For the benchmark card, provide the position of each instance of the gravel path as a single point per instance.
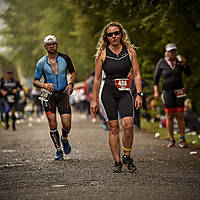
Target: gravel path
(28, 171)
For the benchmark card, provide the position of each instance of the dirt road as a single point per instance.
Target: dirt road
(28, 171)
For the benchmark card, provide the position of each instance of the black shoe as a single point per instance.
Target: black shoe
(6, 126)
(117, 167)
(14, 127)
(128, 161)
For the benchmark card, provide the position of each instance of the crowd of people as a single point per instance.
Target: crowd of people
(113, 93)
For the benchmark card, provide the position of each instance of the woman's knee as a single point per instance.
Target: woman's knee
(170, 116)
(127, 125)
(180, 116)
(113, 128)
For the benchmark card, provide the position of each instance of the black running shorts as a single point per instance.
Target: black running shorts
(60, 100)
(112, 100)
(172, 103)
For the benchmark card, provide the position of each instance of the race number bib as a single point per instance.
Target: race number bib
(180, 92)
(45, 95)
(11, 98)
(123, 84)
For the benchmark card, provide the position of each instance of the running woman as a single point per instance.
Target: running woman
(171, 68)
(115, 58)
(54, 67)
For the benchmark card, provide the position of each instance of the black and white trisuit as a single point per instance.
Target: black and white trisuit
(112, 99)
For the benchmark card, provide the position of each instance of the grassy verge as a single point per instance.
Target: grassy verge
(192, 140)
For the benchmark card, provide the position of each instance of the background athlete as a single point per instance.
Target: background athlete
(170, 68)
(9, 89)
(116, 57)
(54, 67)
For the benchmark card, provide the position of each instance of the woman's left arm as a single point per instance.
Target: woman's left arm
(137, 77)
(186, 69)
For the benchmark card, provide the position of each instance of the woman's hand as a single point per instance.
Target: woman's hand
(138, 102)
(156, 92)
(93, 108)
(156, 95)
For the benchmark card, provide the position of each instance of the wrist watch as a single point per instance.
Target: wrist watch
(140, 94)
(72, 84)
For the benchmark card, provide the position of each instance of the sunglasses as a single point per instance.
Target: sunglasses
(115, 33)
(50, 44)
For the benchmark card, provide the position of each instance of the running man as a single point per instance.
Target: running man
(10, 90)
(54, 67)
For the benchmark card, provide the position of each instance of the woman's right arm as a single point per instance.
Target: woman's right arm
(97, 81)
(156, 80)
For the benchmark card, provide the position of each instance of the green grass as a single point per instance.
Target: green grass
(154, 127)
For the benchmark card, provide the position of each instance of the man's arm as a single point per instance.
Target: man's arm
(38, 84)
(70, 86)
(38, 74)
(72, 78)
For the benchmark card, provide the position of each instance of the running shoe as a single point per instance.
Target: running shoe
(59, 155)
(171, 143)
(128, 161)
(117, 167)
(182, 143)
(66, 146)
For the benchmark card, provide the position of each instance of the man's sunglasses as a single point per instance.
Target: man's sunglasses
(50, 44)
(115, 33)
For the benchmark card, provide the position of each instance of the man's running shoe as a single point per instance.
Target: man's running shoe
(66, 146)
(59, 155)
(171, 143)
(117, 167)
(182, 143)
(128, 161)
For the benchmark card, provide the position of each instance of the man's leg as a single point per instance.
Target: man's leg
(13, 117)
(53, 129)
(7, 110)
(2, 110)
(66, 126)
(55, 135)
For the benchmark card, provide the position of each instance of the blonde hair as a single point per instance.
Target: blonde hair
(103, 40)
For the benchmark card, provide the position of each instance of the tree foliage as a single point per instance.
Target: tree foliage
(78, 24)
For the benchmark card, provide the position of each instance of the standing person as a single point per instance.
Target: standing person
(10, 90)
(54, 67)
(116, 57)
(2, 103)
(36, 103)
(170, 68)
